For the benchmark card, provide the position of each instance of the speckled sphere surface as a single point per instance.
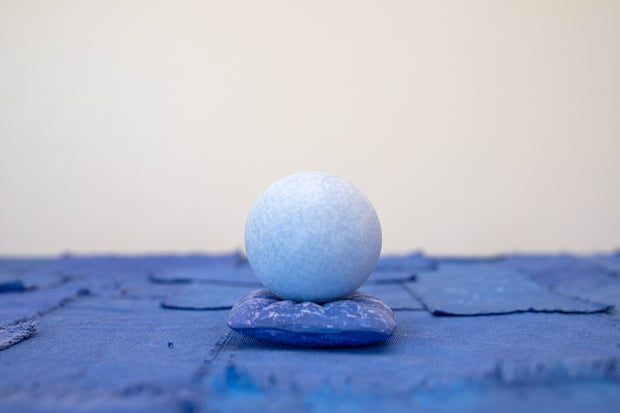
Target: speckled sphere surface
(312, 236)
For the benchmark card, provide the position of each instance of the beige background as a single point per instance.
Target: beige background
(473, 126)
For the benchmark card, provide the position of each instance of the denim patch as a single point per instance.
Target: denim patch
(480, 289)
(11, 335)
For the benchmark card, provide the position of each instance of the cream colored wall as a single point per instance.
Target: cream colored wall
(473, 126)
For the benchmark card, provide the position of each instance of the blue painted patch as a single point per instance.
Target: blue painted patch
(359, 319)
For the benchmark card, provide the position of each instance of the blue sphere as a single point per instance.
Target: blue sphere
(312, 236)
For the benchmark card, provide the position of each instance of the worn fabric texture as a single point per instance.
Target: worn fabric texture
(476, 289)
(513, 333)
(10, 335)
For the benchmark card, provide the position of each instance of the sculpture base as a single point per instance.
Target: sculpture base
(357, 320)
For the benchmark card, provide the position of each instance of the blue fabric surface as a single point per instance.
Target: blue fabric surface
(410, 263)
(209, 275)
(201, 297)
(356, 320)
(243, 275)
(426, 354)
(395, 295)
(117, 349)
(556, 271)
(478, 289)
(431, 351)
(609, 263)
(24, 305)
(587, 277)
(30, 274)
(10, 335)
(117, 346)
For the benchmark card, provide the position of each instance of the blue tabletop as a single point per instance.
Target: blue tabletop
(148, 333)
